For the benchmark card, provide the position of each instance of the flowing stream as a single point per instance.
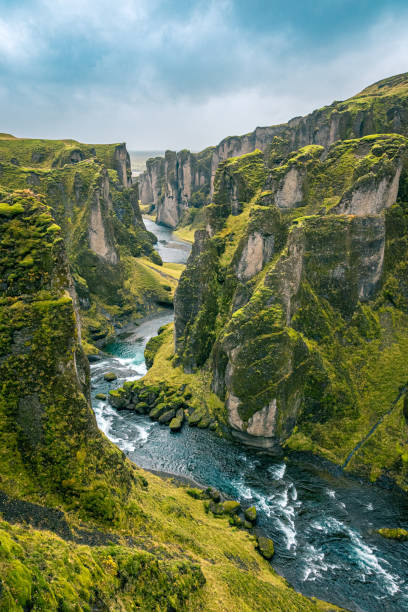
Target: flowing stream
(323, 523)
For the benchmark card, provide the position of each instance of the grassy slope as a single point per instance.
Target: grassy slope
(40, 569)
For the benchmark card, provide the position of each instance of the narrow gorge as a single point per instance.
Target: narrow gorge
(204, 369)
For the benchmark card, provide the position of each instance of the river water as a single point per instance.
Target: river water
(323, 523)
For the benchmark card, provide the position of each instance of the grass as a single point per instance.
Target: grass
(40, 570)
(186, 233)
(147, 281)
(198, 384)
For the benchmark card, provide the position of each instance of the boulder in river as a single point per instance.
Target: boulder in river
(167, 416)
(110, 376)
(177, 421)
(100, 396)
(158, 410)
(394, 534)
(231, 507)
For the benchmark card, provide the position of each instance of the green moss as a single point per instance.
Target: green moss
(98, 513)
(73, 177)
(231, 507)
(330, 354)
(110, 376)
(51, 574)
(152, 347)
(265, 547)
(250, 514)
(10, 210)
(393, 534)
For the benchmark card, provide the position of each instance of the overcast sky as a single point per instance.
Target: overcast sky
(185, 73)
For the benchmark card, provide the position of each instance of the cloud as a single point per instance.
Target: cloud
(160, 73)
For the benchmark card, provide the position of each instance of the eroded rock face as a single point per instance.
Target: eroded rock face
(97, 208)
(290, 193)
(46, 382)
(190, 179)
(122, 165)
(269, 301)
(372, 197)
(99, 239)
(258, 250)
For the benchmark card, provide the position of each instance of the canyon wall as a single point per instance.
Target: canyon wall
(184, 179)
(82, 528)
(294, 297)
(94, 202)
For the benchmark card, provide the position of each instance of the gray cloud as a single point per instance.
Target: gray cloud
(163, 74)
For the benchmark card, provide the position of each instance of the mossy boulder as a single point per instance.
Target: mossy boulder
(204, 422)
(214, 494)
(141, 407)
(110, 376)
(100, 396)
(265, 547)
(195, 418)
(216, 508)
(250, 514)
(177, 422)
(167, 416)
(231, 507)
(158, 410)
(118, 398)
(394, 533)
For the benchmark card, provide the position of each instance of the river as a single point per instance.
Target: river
(323, 523)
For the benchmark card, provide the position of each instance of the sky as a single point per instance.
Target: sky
(173, 74)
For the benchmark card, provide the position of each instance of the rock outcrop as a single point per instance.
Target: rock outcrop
(184, 179)
(44, 372)
(89, 189)
(294, 297)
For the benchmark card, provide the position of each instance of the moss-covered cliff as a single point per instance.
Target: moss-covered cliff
(81, 527)
(293, 303)
(186, 180)
(110, 253)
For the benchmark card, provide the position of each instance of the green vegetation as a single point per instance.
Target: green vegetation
(266, 548)
(303, 306)
(293, 306)
(82, 527)
(394, 534)
(111, 255)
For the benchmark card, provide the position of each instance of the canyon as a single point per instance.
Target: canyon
(288, 345)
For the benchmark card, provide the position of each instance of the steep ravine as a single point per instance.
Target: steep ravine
(322, 522)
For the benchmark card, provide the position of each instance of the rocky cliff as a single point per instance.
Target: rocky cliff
(89, 189)
(295, 298)
(81, 527)
(182, 180)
